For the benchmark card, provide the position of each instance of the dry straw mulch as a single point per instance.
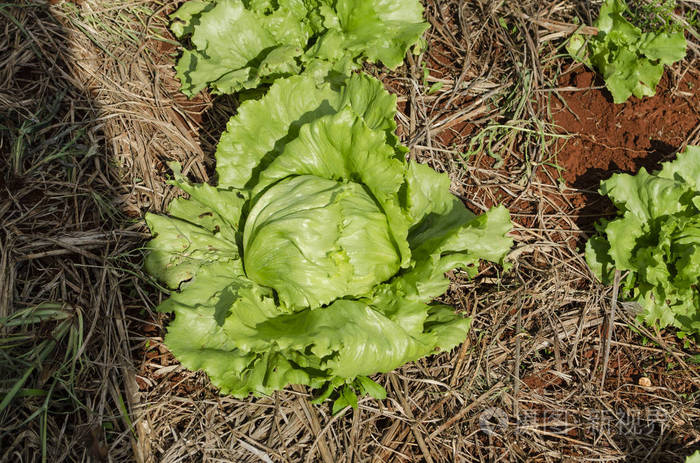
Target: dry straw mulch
(89, 114)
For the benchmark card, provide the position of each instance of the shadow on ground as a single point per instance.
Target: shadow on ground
(63, 239)
(596, 206)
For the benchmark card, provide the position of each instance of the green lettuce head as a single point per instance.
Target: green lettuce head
(316, 257)
(656, 238)
(238, 45)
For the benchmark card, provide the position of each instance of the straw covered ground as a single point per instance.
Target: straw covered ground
(89, 114)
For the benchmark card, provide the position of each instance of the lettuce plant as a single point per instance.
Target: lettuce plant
(656, 240)
(630, 60)
(316, 257)
(241, 44)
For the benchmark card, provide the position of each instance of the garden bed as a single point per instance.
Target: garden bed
(491, 101)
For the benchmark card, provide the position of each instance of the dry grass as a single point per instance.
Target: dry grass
(90, 113)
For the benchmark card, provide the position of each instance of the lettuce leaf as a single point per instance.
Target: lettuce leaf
(657, 239)
(239, 45)
(317, 257)
(631, 61)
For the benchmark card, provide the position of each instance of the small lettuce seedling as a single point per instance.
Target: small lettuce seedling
(630, 60)
(656, 240)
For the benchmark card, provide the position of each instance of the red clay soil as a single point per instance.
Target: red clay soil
(609, 138)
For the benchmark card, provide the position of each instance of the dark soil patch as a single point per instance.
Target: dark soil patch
(609, 138)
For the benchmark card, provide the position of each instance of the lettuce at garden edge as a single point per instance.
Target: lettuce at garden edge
(630, 60)
(657, 239)
(240, 44)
